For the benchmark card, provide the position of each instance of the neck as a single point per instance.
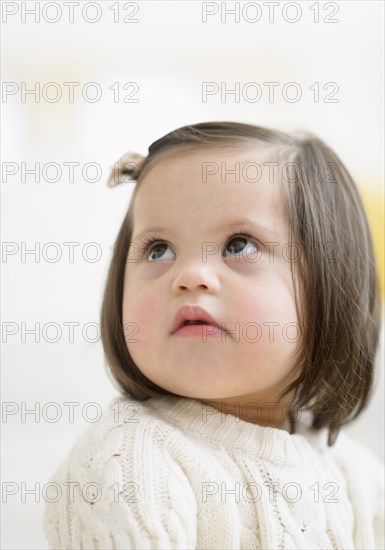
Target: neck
(271, 413)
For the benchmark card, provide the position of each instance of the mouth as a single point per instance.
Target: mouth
(192, 319)
(199, 328)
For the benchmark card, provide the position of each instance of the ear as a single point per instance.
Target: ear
(126, 169)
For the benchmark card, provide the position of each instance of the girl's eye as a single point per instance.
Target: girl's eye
(237, 244)
(155, 248)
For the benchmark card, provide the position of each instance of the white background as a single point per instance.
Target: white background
(169, 53)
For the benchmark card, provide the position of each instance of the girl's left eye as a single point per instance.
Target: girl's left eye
(242, 238)
(158, 246)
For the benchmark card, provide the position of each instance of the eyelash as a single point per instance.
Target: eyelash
(153, 239)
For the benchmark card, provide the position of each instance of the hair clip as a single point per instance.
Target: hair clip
(126, 169)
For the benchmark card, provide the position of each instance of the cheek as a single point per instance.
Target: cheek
(270, 303)
(141, 311)
(271, 312)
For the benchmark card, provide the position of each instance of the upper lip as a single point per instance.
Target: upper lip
(192, 313)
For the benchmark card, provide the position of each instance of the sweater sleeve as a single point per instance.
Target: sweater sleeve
(121, 489)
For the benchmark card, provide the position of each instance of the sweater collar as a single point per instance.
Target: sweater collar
(277, 445)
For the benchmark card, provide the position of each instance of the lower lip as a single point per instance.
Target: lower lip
(200, 330)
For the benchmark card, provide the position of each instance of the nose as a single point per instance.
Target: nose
(196, 276)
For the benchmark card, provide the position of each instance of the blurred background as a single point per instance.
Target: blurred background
(82, 83)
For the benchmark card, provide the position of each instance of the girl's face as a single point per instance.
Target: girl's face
(200, 258)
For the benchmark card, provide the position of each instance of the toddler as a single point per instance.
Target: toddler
(238, 365)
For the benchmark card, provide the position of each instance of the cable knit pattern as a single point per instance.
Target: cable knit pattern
(171, 473)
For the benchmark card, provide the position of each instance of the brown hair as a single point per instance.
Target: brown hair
(339, 282)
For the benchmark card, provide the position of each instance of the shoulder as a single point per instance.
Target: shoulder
(122, 420)
(130, 437)
(125, 486)
(349, 451)
(364, 474)
(363, 471)
(349, 460)
(346, 451)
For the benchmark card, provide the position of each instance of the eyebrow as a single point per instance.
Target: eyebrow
(233, 225)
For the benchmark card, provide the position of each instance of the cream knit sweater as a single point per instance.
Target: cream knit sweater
(174, 473)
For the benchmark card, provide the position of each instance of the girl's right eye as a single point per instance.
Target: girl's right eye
(157, 246)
